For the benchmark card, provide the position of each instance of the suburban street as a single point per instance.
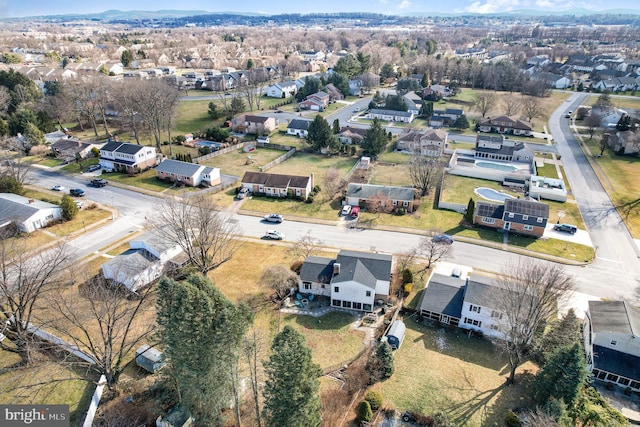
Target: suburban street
(614, 274)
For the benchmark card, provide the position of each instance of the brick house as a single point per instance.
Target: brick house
(526, 217)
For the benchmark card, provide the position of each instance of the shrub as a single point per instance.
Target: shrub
(401, 211)
(309, 199)
(296, 266)
(512, 419)
(364, 411)
(441, 419)
(374, 398)
(316, 189)
(69, 207)
(407, 276)
(407, 288)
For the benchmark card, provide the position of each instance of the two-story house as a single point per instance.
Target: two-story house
(520, 216)
(298, 127)
(282, 89)
(126, 157)
(428, 143)
(317, 101)
(252, 124)
(611, 336)
(499, 148)
(353, 280)
(505, 124)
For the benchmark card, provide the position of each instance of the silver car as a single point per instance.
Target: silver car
(277, 218)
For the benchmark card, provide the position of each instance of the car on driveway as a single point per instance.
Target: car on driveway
(274, 235)
(57, 188)
(566, 228)
(79, 204)
(442, 238)
(93, 168)
(77, 192)
(274, 218)
(244, 192)
(346, 210)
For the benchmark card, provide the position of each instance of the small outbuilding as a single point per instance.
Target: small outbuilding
(149, 358)
(396, 333)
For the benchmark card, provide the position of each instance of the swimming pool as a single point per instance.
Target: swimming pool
(497, 166)
(493, 195)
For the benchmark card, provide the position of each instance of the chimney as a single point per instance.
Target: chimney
(312, 179)
(336, 268)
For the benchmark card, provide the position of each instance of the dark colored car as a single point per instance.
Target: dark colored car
(93, 168)
(99, 182)
(442, 238)
(567, 228)
(77, 192)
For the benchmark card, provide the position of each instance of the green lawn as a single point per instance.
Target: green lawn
(442, 370)
(146, 180)
(458, 189)
(548, 170)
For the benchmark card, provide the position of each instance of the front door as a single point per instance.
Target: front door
(444, 319)
(507, 226)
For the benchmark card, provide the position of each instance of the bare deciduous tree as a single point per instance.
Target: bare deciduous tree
(126, 95)
(593, 121)
(484, 102)
(254, 350)
(530, 290)
(157, 103)
(426, 172)
(333, 182)
(5, 99)
(26, 277)
(532, 108)
(511, 104)
(104, 323)
(306, 246)
(204, 234)
(279, 279)
(433, 250)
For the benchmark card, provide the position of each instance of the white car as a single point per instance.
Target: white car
(346, 210)
(274, 218)
(57, 188)
(274, 235)
(79, 204)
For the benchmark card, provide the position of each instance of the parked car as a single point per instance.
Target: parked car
(274, 218)
(346, 210)
(79, 204)
(244, 192)
(567, 116)
(274, 235)
(355, 211)
(442, 238)
(57, 188)
(77, 192)
(567, 228)
(357, 109)
(93, 168)
(99, 182)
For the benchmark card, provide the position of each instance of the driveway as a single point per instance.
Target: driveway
(581, 236)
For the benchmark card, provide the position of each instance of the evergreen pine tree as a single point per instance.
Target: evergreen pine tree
(68, 207)
(291, 389)
(375, 140)
(562, 376)
(471, 206)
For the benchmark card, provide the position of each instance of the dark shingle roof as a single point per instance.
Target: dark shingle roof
(317, 269)
(363, 267)
(483, 292)
(275, 180)
(527, 207)
(111, 146)
(367, 191)
(443, 294)
(177, 167)
(614, 316)
(489, 210)
(299, 124)
(619, 363)
(128, 148)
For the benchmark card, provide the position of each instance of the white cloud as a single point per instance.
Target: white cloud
(547, 4)
(404, 4)
(383, 1)
(493, 6)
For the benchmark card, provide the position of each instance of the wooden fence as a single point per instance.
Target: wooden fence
(279, 160)
(219, 152)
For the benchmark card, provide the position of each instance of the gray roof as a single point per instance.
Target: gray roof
(122, 147)
(367, 191)
(299, 124)
(156, 240)
(390, 112)
(443, 294)
(129, 264)
(483, 292)
(363, 267)
(177, 167)
(317, 269)
(614, 316)
(275, 180)
(14, 207)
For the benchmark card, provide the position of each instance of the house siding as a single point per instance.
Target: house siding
(352, 292)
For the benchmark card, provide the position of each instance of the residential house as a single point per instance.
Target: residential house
(313, 55)
(282, 89)
(391, 115)
(276, 185)
(334, 93)
(446, 117)
(71, 149)
(298, 127)
(611, 336)
(54, 136)
(413, 102)
(500, 148)
(626, 142)
(27, 214)
(505, 125)
(355, 87)
(437, 91)
(380, 196)
(427, 143)
(442, 299)
(126, 157)
(617, 84)
(252, 124)
(186, 173)
(353, 280)
(317, 101)
(552, 80)
(148, 258)
(351, 135)
(526, 217)
(539, 61)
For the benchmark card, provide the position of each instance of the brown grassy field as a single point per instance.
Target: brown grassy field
(238, 162)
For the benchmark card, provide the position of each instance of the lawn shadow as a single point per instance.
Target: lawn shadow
(517, 397)
(455, 342)
(331, 321)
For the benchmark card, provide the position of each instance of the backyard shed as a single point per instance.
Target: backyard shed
(395, 336)
(149, 358)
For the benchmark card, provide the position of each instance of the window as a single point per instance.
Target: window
(614, 342)
(395, 203)
(366, 307)
(511, 215)
(494, 327)
(472, 322)
(306, 286)
(336, 303)
(488, 220)
(528, 227)
(368, 293)
(357, 306)
(346, 304)
(336, 289)
(539, 220)
(525, 217)
(496, 314)
(474, 308)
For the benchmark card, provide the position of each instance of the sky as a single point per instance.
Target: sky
(22, 8)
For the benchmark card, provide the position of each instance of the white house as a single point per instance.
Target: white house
(27, 214)
(354, 280)
(391, 115)
(282, 89)
(145, 261)
(187, 173)
(298, 127)
(126, 157)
